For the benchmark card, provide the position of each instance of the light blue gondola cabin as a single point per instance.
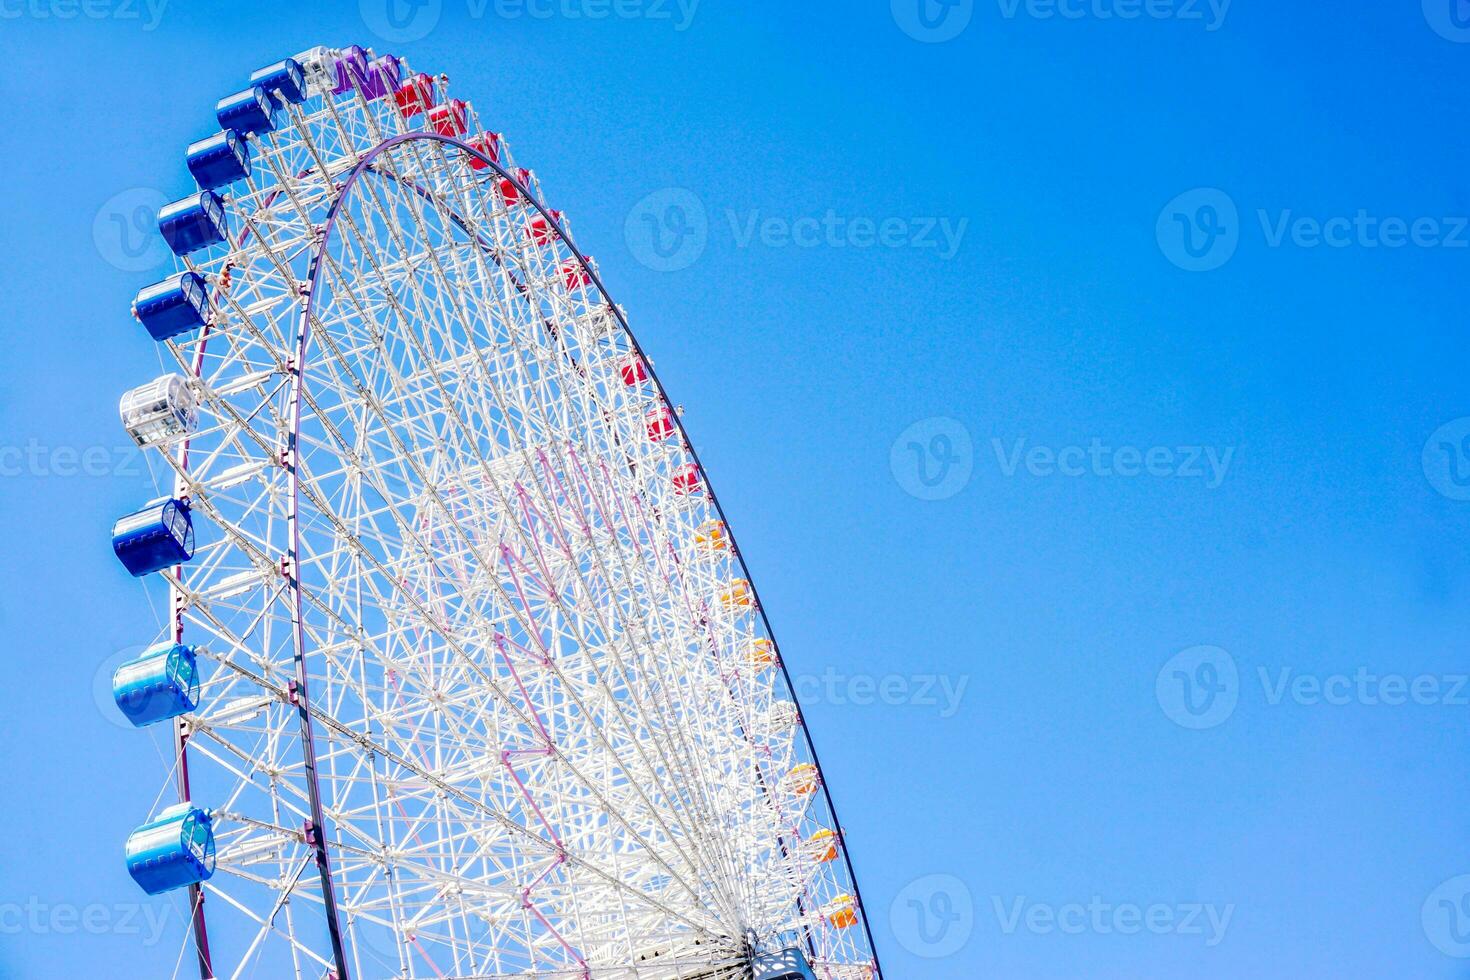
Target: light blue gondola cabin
(159, 684)
(173, 850)
(175, 306)
(789, 964)
(154, 538)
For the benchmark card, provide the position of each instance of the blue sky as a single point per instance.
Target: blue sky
(1085, 379)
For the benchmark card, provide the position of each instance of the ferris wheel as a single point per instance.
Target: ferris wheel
(463, 671)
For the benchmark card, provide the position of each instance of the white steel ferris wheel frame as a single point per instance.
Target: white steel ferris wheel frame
(491, 693)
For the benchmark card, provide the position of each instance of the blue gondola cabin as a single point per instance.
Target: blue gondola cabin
(789, 964)
(157, 537)
(175, 306)
(173, 850)
(161, 683)
(284, 81)
(247, 111)
(219, 160)
(195, 222)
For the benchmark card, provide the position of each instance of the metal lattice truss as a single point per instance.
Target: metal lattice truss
(544, 727)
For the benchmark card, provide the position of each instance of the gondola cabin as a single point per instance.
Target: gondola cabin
(712, 536)
(783, 715)
(219, 160)
(788, 964)
(161, 683)
(632, 370)
(415, 95)
(192, 223)
(542, 231)
(487, 144)
(803, 780)
(247, 111)
(173, 850)
(284, 81)
(760, 654)
(450, 119)
(172, 307)
(822, 846)
(842, 912)
(160, 412)
(575, 275)
(737, 595)
(687, 481)
(660, 423)
(157, 537)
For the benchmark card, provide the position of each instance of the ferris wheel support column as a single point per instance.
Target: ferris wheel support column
(316, 831)
(196, 892)
(181, 756)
